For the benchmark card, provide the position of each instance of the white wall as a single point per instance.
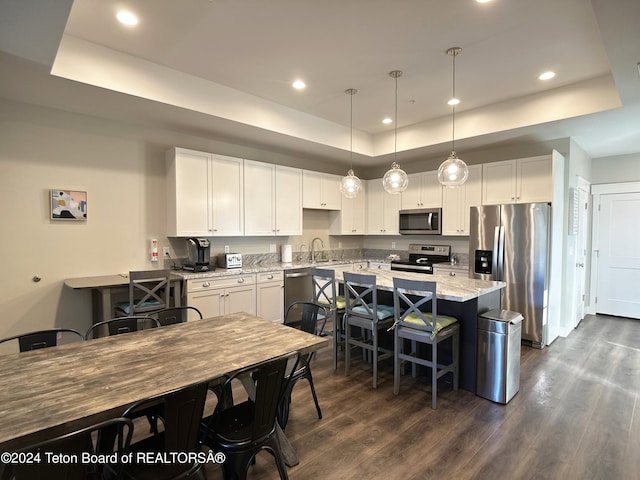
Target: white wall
(40, 150)
(624, 168)
(122, 169)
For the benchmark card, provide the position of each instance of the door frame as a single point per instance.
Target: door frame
(596, 192)
(584, 218)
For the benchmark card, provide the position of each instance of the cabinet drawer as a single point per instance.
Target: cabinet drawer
(220, 282)
(276, 276)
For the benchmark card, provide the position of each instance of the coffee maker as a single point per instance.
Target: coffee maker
(199, 256)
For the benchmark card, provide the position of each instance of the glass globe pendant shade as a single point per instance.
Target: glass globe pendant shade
(453, 172)
(350, 185)
(395, 180)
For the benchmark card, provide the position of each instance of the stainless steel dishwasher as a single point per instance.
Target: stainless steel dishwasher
(298, 287)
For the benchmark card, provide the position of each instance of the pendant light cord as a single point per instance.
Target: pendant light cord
(351, 128)
(395, 123)
(351, 92)
(453, 108)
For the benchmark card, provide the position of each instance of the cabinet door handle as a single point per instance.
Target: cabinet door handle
(241, 280)
(206, 284)
(270, 277)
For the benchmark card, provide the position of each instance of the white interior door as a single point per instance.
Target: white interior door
(618, 248)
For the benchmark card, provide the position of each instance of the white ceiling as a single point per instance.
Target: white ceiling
(224, 68)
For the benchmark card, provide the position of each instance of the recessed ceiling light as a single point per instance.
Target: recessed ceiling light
(483, 1)
(127, 18)
(298, 85)
(453, 101)
(387, 121)
(547, 75)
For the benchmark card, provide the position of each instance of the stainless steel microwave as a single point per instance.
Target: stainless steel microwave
(421, 221)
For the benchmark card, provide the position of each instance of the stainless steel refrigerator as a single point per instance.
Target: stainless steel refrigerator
(511, 243)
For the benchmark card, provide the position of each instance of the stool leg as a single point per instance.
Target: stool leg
(397, 342)
(434, 374)
(347, 347)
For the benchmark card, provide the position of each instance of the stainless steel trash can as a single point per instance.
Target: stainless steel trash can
(498, 362)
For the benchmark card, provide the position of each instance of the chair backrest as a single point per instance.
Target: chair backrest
(408, 297)
(310, 320)
(324, 286)
(360, 291)
(44, 338)
(267, 384)
(173, 315)
(110, 436)
(148, 291)
(119, 325)
(181, 414)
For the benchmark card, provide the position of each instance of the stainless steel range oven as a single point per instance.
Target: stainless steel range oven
(422, 257)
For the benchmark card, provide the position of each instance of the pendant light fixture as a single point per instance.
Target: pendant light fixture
(395, 180)
(453, 172)
(351, 185)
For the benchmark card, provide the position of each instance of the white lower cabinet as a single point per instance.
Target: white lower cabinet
(270, 296)
(221, 295)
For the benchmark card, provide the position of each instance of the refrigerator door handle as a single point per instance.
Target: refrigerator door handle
(496, 253)
(501, 254)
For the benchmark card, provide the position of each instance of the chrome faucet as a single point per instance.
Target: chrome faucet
(313, 248)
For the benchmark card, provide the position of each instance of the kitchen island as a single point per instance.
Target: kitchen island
(460, 297)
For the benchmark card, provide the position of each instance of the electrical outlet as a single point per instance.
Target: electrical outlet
(272, 248)
(393, 244)
(226, 249)
(166, 252)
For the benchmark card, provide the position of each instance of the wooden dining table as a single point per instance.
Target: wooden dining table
(52, 391)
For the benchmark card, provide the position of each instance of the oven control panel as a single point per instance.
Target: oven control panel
(434, 250)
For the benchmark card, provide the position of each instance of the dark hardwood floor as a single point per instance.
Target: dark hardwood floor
(576, 416)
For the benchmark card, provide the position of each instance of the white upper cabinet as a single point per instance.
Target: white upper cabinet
(382, 209)
(272, 199)
(457, 201)
(204, 194)
(321, 190)
(351, 219)
(523, 180)
(424, 191)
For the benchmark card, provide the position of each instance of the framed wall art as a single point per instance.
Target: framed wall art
(68, 204)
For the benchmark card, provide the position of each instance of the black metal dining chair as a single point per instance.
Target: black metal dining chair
(173, 315)
(108, 437)
(313, 318)
(242, 430)
(43, 338)
(181, 414)
(120, 325)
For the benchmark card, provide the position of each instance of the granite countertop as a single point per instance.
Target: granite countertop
(456, 289)
(222, 272)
